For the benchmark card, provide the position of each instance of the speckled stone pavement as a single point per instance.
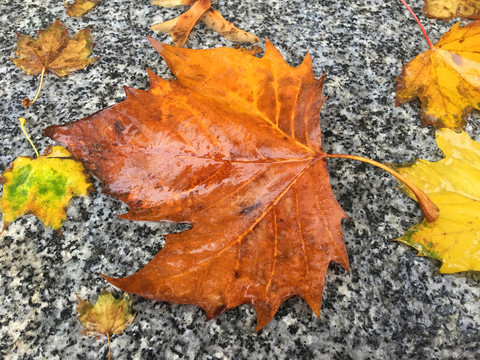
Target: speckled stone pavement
(391, 306)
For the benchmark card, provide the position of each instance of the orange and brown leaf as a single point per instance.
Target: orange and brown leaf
(449, 9)
(445, 78)
(80, 7)
(235, 149)
(200, 10)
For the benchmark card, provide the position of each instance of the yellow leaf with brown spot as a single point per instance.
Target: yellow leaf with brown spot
(80, 7)
(449, 9)
(445, 78)
(453, 184)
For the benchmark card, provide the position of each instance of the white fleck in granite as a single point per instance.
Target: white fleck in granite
(389, 307)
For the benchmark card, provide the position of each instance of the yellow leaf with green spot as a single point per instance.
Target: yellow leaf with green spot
(453, 184)
(43, 186)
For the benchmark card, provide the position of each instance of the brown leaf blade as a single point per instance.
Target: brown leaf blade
(53, 51)
(449, 9)
(446, 78)
(234, 149)
(80, 7)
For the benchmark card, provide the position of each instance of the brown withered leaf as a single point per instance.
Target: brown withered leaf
(449, 9)
(54, 51)
(80, 7)
(235, 149)
(200, 10)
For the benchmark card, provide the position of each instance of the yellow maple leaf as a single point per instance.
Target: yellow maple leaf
(446, 78)
(448, 9)
(43, 186)
(80, 7)
(109, 316)
(453, 184)
(53, 51)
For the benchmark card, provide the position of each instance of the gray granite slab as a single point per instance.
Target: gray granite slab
(391, 306)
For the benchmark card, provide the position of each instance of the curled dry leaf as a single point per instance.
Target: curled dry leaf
(449, 9)
(235, 149)
(43, 186)
(200, 10)
(80, 7)
(54, 51)
(109, 316)
(453, 183)
(446, 78)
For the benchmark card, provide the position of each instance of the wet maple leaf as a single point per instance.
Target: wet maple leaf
(54, 51)
(446, 78)
(109, 316)
(80, 7)
(235, 149)
(449, 9)
(43, 186)
(453, 183)
(200, 10)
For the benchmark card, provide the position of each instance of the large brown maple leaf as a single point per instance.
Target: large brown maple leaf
(233, 145)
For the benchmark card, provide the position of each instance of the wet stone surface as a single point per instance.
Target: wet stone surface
(390, 306)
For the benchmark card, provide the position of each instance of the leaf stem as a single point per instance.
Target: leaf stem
(109, 349)
(26, 102)
(22, 124)
(429, 209)
(418, 22)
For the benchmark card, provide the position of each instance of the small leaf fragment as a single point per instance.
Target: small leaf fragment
(446, 78)
(54, 51)
(43, 186)
(109, 316)
(453, 183)
(200, 10)
(449, 9)
(80, 7)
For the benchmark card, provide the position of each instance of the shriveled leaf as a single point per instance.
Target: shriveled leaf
(233, 145)
(200, 10)
(109, 316)
(453, 183)
(80, 7)
(43, 186)
(449, 9)
(54, 51)
(445, 78)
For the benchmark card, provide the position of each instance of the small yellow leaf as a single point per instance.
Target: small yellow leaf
(43, 186)
(109, 316)
(448, 9)
(446, 78)
(80, 7)
(453, 184)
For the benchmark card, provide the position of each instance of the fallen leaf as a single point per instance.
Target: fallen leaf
(235, 149)
(200, 10)
(109, 316)
(449, 9)
(80, 7)
(446, 78)
(453, 183)
(42, 186)
(53, 51)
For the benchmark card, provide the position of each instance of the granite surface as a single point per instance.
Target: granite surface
(391, 306)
